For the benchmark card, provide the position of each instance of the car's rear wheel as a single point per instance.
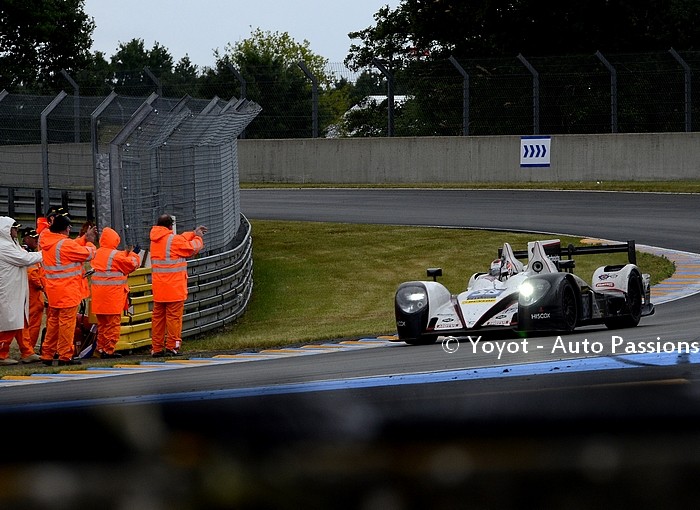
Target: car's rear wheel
(633, 305)
(569, 306)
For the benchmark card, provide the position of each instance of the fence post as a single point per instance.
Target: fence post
(314, 98)
(465, 95)
(688, 87)
(116, 201)
(390, 95)
(76, 105)
(89, 212)
(243, 83)
(45, 145)
(100, 162)
(11, 202)
(65, 201)
(37, 203)
(613, 90)
(155, 80)
(535, 95)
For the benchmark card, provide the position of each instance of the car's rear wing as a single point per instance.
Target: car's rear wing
(558, 253)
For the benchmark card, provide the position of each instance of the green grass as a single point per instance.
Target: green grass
(322, 281)
(316, 281)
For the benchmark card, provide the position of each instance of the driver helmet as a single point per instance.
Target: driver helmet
(495, 269)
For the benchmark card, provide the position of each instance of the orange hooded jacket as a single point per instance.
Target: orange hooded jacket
(64, 273)
(41, 224)
(37, 282)
(169, 266)
(109, 281)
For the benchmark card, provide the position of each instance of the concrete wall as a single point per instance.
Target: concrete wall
(70, 166)
(619, 157)
(607, 157)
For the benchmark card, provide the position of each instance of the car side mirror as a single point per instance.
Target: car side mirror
(434, 272)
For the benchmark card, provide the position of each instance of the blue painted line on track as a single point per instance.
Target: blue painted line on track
(498, 372)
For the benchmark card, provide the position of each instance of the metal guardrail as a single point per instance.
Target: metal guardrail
(219, 286)
(25, 204)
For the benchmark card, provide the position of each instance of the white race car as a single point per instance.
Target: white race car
(543, 295)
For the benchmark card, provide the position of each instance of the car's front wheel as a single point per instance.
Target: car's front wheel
(569, 306)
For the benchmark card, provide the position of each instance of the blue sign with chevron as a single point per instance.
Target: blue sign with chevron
(534, 150)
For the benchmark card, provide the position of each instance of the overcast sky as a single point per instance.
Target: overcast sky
(197, 28)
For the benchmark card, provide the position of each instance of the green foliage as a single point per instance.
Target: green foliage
(366, 119)
(368, 84)
(269, 46)
(269, 64)
(360, 116)
(389, 39)
(39, 38)
(95, 79)
(129, 62)
(418, 30)
(419, 36)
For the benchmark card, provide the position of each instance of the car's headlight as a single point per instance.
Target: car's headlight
(532, 289)
(412, 298)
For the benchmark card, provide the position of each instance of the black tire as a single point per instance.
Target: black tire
(633, 307)
(569, 306)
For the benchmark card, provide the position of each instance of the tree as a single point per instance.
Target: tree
(389, 39)
(129, 63)
(275, 45)
(38, 38)
(184, 79)
(435, 29)
(96, 78)
(418, 37)
(269, 64)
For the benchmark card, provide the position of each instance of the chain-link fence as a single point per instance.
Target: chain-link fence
(514, 95)
(575, 94)
(181, 161)
(572, 94)
(141, 158)
(63, 142)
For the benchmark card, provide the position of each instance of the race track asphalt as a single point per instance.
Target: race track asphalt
(377, 424)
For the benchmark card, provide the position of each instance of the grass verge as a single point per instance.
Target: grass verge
(320, 281)
(316, 281)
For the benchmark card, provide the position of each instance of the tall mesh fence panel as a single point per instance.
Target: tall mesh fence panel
(184, 164)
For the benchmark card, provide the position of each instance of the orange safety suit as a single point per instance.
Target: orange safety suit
(35, 276)
(169, 284)
(110, 289)
(66, 286)
(42, 224)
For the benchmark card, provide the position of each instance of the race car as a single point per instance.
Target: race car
(543, 295)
